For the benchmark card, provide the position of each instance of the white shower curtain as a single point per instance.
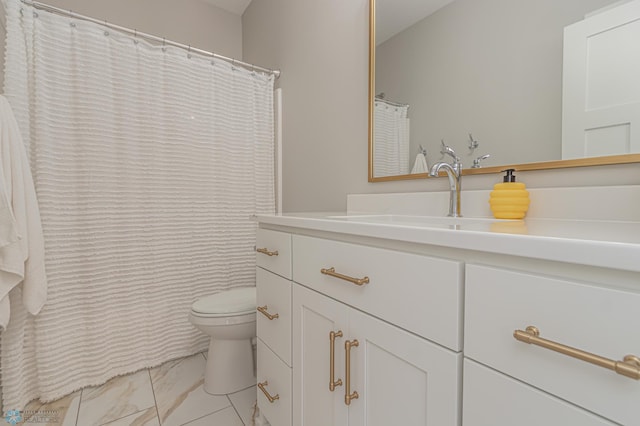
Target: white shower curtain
(391, 139)
(148, 165)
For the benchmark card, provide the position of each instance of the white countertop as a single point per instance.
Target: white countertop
(610, 244)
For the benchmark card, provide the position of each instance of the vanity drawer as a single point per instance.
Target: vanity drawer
(418, 293)
(273, 252)
(491, 398)
(597, 320)
(274, 312)
(277, 376)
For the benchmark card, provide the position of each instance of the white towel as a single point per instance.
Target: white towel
(420, 165)
(22, 254)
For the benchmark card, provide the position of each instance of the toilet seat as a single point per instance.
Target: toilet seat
(234, 302)
(221, 320)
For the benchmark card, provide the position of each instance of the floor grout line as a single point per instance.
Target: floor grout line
(124, 417)
(154, 397)
(79, 403)
(234, 408)
(207, 415)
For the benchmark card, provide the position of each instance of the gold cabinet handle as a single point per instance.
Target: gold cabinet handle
(629, 367)
(332, 360)
(267, 252)
(348, 395)
(263, 311)
(271, 399)
(332, 272)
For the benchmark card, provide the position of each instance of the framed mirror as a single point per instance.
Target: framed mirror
(484, 76)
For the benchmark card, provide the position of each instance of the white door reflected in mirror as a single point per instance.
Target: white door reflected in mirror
(601, 88)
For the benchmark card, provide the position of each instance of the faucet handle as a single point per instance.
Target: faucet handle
(447, 150)
(476, 162)
(473, 144)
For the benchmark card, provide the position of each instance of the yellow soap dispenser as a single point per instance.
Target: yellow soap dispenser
(510, 199)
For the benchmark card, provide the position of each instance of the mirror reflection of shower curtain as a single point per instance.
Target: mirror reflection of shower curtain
(391, 139)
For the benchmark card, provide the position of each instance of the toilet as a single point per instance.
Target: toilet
(229, 318)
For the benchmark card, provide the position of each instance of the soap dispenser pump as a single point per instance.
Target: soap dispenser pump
(509, 199)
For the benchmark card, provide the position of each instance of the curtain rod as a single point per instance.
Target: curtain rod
(378, 98)
(151, 37)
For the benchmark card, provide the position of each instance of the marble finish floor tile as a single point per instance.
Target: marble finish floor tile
(179, 392)
(119, 397)
(169, 395)
(244, 402)
(63, 412)
(148, 417)
(224, 417)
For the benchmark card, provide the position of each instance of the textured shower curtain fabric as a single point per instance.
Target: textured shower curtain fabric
(149, 164)
(391, 135)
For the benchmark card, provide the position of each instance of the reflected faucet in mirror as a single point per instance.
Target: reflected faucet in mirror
(476, 161)
(473, 144)
(454, 173)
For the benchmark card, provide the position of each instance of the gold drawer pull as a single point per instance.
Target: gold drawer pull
(332, 360)
(357, 281)
(271, 399)
(267, 252)
(348, 395)
(629, 367)
(263, 311)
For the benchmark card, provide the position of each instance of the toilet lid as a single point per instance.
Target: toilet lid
(236, 301)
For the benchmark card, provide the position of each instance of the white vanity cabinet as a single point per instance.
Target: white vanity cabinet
(273, 322)
(591, 319)
(459, 326)
(382, 374)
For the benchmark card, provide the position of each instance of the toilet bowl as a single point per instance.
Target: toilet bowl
(229, 318)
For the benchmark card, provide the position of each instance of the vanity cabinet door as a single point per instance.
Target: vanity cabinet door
(314, 318)
(401, 379)
(491, 398)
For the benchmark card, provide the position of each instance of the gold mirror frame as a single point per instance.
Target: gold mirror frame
(543, 165)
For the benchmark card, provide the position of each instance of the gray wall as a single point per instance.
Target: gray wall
(492, 68)
(191, 22)
(322, 49)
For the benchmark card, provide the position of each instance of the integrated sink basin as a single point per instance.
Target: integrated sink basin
(419, 221)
